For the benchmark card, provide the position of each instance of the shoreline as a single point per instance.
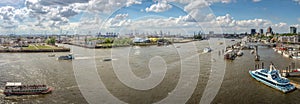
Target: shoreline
(33, 51)
(105, 46)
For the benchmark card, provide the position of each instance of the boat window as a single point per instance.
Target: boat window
(274, 76)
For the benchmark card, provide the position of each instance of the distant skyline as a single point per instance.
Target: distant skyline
(126, 16)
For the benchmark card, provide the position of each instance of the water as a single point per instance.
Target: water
(69, 78)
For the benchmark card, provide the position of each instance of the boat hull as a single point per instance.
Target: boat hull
(47, 91)
(282, 89)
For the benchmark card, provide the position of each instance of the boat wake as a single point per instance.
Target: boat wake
(84, 58)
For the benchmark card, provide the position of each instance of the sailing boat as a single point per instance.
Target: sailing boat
(52, 55)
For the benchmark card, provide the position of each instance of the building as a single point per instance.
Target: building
(253, 31)
(261, 31)
(291, 39)
(269, 30)
(293, 30)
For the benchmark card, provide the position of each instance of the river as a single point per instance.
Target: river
(169, 74)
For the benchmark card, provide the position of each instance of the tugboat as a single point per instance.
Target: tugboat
(273, 79)
(68, 57)
(16, 88)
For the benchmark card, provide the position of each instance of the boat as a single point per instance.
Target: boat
(257, 58)
(107, 59)
(240, 53)
(229, 55)
(273, 79)
(67, 57)
(16, 88)
(286, 54)
(252, 51)
(206, 50)
(280, 50)
(51, 55)
(275, 49)
(295, 57)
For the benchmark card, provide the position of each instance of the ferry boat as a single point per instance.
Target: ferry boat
(273, 79)
(16, 88)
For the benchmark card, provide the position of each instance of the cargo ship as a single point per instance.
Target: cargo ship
(16, 88)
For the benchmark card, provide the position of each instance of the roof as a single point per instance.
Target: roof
(13, 84)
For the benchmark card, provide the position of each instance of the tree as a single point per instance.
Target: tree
(197, 36)
(51, 41)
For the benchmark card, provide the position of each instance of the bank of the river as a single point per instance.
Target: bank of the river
(34, 48)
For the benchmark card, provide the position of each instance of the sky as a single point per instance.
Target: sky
(146, 16)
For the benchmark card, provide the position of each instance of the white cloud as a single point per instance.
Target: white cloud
(296, 25)
(11, 17)
(159, 7)
(119, 20)
(256, 0)
(196, 5)
(131, 2)
(229, 24)
(108, 6)
(298, 1)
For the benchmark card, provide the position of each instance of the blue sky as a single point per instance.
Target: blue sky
(175, 16)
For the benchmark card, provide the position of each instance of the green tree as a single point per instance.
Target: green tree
(197, 36)
(51, 41)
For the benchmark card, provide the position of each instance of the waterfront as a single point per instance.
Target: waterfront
(237, 86)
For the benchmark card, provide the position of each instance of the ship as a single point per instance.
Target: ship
(67, 57)
(16, 88)
(207, 49)
(230, 55)
(273, 79)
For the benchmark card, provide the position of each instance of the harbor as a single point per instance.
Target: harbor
(237, 86)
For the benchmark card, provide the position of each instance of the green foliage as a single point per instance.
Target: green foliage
(108, 40)
(51, 41)
(197, 36)
(287, 34)
(124, 41)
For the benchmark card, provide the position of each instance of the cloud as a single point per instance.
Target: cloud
(11, 2)
(298, 1)
(256, 0)
(61, 2)
(132, 2)
(229, 24)
(119, 20)
(159, 7)
(10, 17)
(108, 6)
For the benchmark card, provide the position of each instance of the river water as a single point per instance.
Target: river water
(168, 74)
